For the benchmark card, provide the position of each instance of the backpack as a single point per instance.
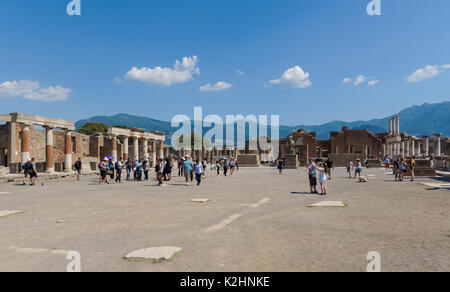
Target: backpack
(27, 166)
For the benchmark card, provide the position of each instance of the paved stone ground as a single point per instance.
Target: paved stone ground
(256, 220)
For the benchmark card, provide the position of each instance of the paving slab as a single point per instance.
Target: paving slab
(329, 204)
(155, 254)
(7, 213)
(199, 200)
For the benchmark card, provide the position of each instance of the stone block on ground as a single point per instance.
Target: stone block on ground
(154, 254)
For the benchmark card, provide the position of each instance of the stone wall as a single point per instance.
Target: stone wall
(442, 163)
(342, 159)
(248, 160)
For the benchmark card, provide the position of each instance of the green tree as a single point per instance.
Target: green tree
(91, 128)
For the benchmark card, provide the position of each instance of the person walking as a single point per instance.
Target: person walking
(358, 168)
(111, 169)
(218, 167)
(198, 169)
(129, 167)
(103, 167)
(188, 166)
(350, 166)
(119, 166)
(280, 165)
(402, 169)
(146, 167)
(159, 172)
(78, 167)
(413, 168)
(167, 170)
(330, 166)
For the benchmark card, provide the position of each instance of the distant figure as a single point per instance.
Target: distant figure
(78, 167)
(119, 166)
(198, 169)
(322, 168)
(280, 165)
(402, 169)
(387, 164)
(358, 168)
(413, 168)
(188, 166)
(158, 172)
(330, 166)
(350, 166)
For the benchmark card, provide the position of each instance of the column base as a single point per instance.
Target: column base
(50, 170)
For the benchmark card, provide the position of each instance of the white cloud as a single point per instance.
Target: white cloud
(31, 90)
(219, 86)
(360, 79)
(427, 72)
(346, 80)
(373, 82)
(295, 77)
(182, 72)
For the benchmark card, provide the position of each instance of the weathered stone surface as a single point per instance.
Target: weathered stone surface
(291, 161)
(329, 204)
(8, 213)
(155, 254)
(248, 160)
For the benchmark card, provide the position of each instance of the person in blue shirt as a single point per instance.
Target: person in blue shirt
(198, 169)
(188, 166)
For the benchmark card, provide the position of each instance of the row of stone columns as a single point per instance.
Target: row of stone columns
(26, 148)
(394, 126)
(126, 153)
(414, 147)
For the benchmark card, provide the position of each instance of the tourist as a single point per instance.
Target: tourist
(225, 167)
(358, 168)
(396, 169)
(26, 168)
(312, 173)
(387, 164)
(119, 166)
(237, 165)
(167, 170)
(103, 166)
(231, 165)
(218, 167)
(280, 165)
(188, 165)
(140, 169)
(322, 168)
(30, 171)
(198, 169)
(205, 167)
(180, 163)
(111, 169)
(129, 166)
(350, 166)
(78, 167)
(402, 169)
(330, 165)
(412, 166)
(158, 172)
(146, 167)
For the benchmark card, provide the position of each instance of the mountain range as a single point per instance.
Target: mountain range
(420, 120)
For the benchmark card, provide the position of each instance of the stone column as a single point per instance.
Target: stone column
(135, 148)
(413, 148)
(419, 148)
(427, 146)
(437, 147)
(161, 149)
(49, 163)
(154, 151)
(390, 126)
(146, 148)
(408, 152)
(114, 148)
(68, 152)
(12, 143)
(125, 148)
(402, 151)
(26, 143)
(398, 125)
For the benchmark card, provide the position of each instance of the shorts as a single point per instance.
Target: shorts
(358, 170)
(32, 174)
(79, 171)
(103, 173)
(312, 180)
(187, 175)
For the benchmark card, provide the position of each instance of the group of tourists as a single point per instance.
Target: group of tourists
(355, 168)
(399, 166)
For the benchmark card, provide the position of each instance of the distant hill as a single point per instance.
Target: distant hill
(422, 120)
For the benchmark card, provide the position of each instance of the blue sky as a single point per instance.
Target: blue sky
(81, 62)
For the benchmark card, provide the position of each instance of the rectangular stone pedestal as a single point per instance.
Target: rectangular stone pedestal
(373, 163)
(248, 160)
(291, 161)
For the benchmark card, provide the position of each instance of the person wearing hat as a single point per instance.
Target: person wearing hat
(188, 167)
(103, 166)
